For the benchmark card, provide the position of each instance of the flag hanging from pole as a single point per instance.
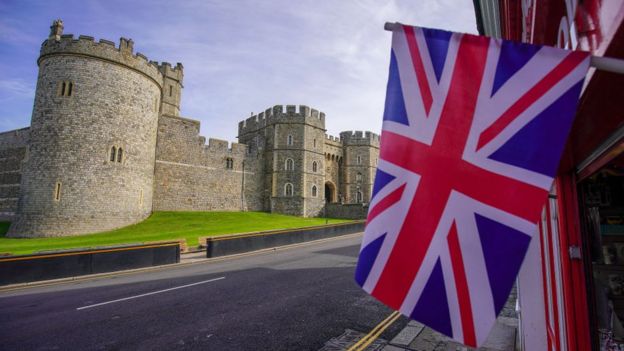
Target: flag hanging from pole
(473, 131)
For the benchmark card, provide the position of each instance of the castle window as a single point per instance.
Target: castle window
(358, 177)
(57, 192)
(288, 189)
(229, 163)
(314, 190)
(314, 166)
(141, 198)
(113, 154)
(155, 104)
(119, 155)
(65, 88)
(289, 140)
(359, 197)
(290, 164)
(170, 90)
(314, 142)
(359, 160)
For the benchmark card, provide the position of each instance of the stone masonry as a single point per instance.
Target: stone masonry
(107, 146)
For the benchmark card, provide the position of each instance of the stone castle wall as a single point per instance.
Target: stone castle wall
(360, 163)
(193, 176)
(13, 151)
(69, 183)
(333, 168)
(61, 176)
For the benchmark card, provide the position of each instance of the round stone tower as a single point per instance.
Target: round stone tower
(90, 163)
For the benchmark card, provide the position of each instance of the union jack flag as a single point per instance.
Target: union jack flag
(473, 132)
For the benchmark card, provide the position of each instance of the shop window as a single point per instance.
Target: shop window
(602, 213)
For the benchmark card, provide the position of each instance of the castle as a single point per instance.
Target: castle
(107, 146)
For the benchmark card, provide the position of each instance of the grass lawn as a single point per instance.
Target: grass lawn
(164, 226)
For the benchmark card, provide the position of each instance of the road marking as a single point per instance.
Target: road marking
(368, 339)
(147, 294)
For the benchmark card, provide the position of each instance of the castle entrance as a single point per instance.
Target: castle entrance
(330, 192)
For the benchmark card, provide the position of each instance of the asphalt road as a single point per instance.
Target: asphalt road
(294, 299)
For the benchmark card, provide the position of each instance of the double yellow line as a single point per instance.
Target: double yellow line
(368, 339)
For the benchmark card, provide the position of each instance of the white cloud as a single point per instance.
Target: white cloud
(243, 56)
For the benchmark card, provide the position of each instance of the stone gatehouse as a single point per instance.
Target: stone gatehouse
(107, 146)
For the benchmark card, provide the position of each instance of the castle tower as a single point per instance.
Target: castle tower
(172, 88)
(292, 142)
(361, 152)
(90, 163)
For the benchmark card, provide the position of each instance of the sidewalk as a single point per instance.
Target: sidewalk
(417, 337)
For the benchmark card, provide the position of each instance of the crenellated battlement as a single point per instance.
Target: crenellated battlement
(282, 114)
(176, 73)
(219, 145)
(333, 140)
(66, 44)
(359, 138)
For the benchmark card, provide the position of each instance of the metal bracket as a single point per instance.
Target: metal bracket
(575, 252)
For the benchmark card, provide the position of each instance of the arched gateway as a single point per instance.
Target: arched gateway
(330, 192)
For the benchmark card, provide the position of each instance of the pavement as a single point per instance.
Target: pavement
(297, 298)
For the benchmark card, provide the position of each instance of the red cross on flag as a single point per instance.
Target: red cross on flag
(473, 131)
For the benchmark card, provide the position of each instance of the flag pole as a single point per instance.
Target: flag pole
(608, 64)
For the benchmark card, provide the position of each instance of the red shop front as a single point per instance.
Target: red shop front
(571, 287)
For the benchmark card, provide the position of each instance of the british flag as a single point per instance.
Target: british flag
(473, 132)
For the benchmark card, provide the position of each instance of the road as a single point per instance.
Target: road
(291, 299)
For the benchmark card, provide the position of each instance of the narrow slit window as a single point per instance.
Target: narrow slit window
(70, 87)
(63, 89)
(171, 90)
(314, 190)
(359, 160)
(119, 155)
(360, 197)
(289, 140)
(314, 166)
(113, 154)
(57, 192)
(288, 189)
(358, 177)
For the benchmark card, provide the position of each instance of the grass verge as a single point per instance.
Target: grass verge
(164, 226)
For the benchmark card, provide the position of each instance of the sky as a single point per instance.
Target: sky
(240, 56)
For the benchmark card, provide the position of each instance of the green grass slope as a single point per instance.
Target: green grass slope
(164, 226)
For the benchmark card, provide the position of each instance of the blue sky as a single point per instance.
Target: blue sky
(239, 56)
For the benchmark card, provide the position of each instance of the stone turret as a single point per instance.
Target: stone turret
(93, 135)
(56, 30)
(172, 88)
(361, 152)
